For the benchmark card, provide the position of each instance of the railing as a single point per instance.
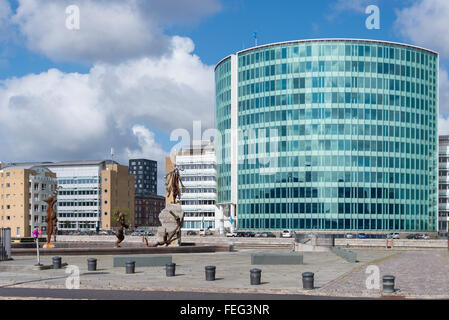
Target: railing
(5, 244)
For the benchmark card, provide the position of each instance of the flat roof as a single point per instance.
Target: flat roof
(80, 163)
(274, 44)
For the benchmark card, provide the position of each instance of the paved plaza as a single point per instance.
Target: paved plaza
(422, 274)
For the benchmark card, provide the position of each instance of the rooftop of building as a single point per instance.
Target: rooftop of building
(149, 196)
(274, 44)
(28, 165)
(197, 146)
(142, 159)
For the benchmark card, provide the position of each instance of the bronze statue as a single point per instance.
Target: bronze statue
(120, 232)
(168, 238)
(51, 219)
(172, 182)
(172, 217)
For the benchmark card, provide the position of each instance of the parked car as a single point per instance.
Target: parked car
(205, 232)
(191, 233)
(103, 232)
(411, 236)
(240, 234)
(362, 235)
(422, 236)
(349, 235)
(249, 234)
(231, 234)
(393, 235)
(287, 233)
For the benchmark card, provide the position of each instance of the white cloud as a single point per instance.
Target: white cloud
(148, 148)
(60, 116)
(426, 23)
(443, 125)
(110, 31)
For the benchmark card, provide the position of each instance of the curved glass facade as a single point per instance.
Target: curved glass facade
(356, 124)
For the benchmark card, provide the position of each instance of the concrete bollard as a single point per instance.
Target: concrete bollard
(91, 264)
(130, 267)
(307, 280)
(255, 275)
(388, 283)
(57, 262)
(210, 273)
(170, 269)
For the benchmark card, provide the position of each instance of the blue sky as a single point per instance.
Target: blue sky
(231, 29)
(138, 69)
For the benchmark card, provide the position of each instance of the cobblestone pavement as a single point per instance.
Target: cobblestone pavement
(418, 273)
(423, 274)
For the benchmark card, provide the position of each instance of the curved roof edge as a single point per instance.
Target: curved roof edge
(222, 60)
(274, 44)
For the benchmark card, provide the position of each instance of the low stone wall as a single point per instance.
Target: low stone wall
(361, 243)
(397, 243)
(195, 239)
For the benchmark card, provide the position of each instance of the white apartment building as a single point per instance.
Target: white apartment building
(79, 197)
(41, 188)
(197, 166)
(443, 186)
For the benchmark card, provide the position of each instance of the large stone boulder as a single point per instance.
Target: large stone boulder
(170, 224)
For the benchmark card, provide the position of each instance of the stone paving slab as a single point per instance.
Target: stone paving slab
(423, 274)
(232, 273)
(419, 274)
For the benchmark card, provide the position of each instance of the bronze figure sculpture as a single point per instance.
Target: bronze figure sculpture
(172, 182)
(51, 219)
(120, 232)
(172, 217)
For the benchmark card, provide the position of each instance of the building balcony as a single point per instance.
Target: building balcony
(199, 208)
(200, 184)
(199, 196)
(198, 172)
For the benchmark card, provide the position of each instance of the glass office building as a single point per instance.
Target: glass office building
(349, 128)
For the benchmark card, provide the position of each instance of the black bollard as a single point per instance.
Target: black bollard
(170, 269)
(57, 262)
(130, 267)
(255, 275)
(91, 264)
(388, 284)
(307, 280)
(210, 273)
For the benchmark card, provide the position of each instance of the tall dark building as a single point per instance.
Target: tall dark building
(145, 173)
